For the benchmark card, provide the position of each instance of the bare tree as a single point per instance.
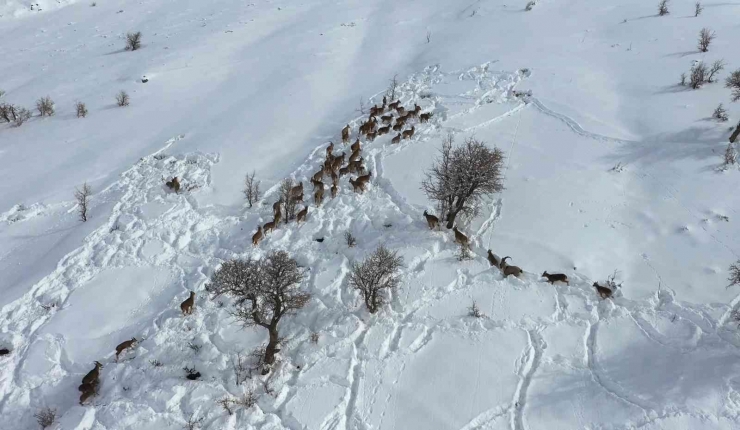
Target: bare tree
(362, 108)
(392, 87)
(133, 41)
(698, 8)
(733, 82)
(717, 67)
(45, 417)
(45, 106)
(375, 274)
(193, 423)
(734, 273)
(81, 109)
(82, 196)
(265, 290)
(350, 239)
(730, 157)
(226, 402)
(663, 8)
(720, 114)
(530, 5)
(461, 176)
(698, 75)
(705, 39)
(289, 203)
(122, 99)
(251, 189)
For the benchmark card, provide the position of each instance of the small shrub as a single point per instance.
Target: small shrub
(735, 316)
(314, 337)
(683, 79)
(81, 109)
(20, 116)
(45, 417)
(226, 402)
(730, 157)
(529, 6)
(2, 93)
(193, 423)
(242, 371)
(122, 99)
(193, 346)
(82, 196)
(717, 66)
(474, 311)
(698, 8)
(663, 8)
(463, 252)
(705, 39)
(133, 41)
(390, 92)
(155, 363)
(733, 82)
(349, 239)
(720, 114)
(248, 400)
(251, 189)
(698, 75)
(45, 106)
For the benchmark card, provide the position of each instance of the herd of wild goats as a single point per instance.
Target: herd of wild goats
(334, 168)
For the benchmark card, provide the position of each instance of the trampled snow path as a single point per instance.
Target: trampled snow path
(365, 371)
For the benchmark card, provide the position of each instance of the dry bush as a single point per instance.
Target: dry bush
(663, 8)
(242, 371)
(349, 239)
(289, 203)
(463, 252)
(314, 337)
(45, 417)
(248, 400)
(123, 99)
(81, 109)
(193, 423)
(733, 82)
(530, 6)
(45, 106)
(730, 157)
(226, 402)
(734, 273)
(374, 275)
(717, 66)
(698, 8)
(698, 75)
(705, 39)
(683, 79)
(20, 115)
(390, 92)
(133, 41)
(252, 189)
(720, 114)
(474, 311)
(82, 197)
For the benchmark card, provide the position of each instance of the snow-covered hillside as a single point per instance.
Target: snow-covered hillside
(610, 165)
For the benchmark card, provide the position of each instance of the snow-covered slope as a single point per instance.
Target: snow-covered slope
(240, 86)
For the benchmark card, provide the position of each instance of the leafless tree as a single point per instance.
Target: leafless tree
(20, 115)
(730, 157)
(82, 196)
(663, 8)
(289, 203)
(698, 8)
(122, 99)
(698, 75)
(350, 239)
(45, 106)
(248, 400)
(720, 114)
(241, 369)
(734, 273)
(717, 66)
(133, 41)
(530, 5)
(81, 109)
(226, 402)
(193, 423)
(462, 175)
(265, 290)
(392, 87)
(45, 417)
(733, 82)
(705, 39)
(374, 275)
(251, 189)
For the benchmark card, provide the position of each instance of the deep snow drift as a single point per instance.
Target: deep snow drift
(238, 86)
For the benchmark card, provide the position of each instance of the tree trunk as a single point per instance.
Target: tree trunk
(735, 134)
(271, 350)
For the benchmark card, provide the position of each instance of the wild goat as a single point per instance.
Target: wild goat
(318, 196)
(375, 110)
(432, 220)
(355, 146)
(355, 155)
(268, 227)
(371, 136)
(333, 190)
(318, 176)
(394, 105)
(316, 183)
(93, 375)
(417, 109)
(276, 207)
(399, 126)
(297, 190)
(278, 216)
(604, 292)
(509, 270)
(187, 306)
(334, 178)
(396, 139)
(384, 130)
(356, 166)
(555, 277)
(339, 157)
(89, 393)
(124, 346)
(425, 117)
(401, 110)
(359, 183)
(257, 236)
(329, 149)
(92, 386)
(386, 119)
(343, 171)
(174, 184)
(302, 215)
(460, 237)
(298, 198)
(345, 134)
(493, 259)
(408, 134)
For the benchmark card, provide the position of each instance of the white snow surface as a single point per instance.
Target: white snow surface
(236, 86)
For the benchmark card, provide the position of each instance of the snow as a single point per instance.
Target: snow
(241, 86)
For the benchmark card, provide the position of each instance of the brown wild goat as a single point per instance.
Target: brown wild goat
(460, 237)
(408, 134)
(343, 171)
(174, 184)
(384, 130)
(493, 259)
(302, 215)
(401, 110)
(604, 292)
(124, 346)
(359, 183)
(329, 149)
(87, 394)
(356, 166)
(333, 190)
(509, 270)
(276, 207)
(396, 139)
(316, 183)
(187, 306)
(394, 105)
(278, 216)
(355, 146)
(318, 176)
(555, 277)
(399, 126)
(92, 386)
(386, 119)
(297, 190)
(334, 178)
(425, 117)
(345, 134)
(269, 227)
(92, 375)
(355, 155)
(371, 136)
(257, 236)
(432, 220)
(337, 163)
(318, 196)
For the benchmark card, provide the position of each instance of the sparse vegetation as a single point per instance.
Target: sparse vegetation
(720, 114)
(698, 8)
(463, 175)
(474, 311)
(706, 36)
(683, 79)
(252, 189)
(374, 275)
(663, 8)
(734, 273)
(155, 363)
(350, 239)
(717, 67)
(242, 371)
(45, 106)
(530, 5)
(193, 423)
(392, 87)
(698, 75)
(265, 290)
(122, 99)
(133, 41)
(226, 402)
(429, 36)
(20, 115)
(194, 347)
(463, 252)
(314, 337)
(45, 417)
(730, 157)
(81, 109)
(733, 82)
(82, 197)
(289, 203)
(248, 400)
